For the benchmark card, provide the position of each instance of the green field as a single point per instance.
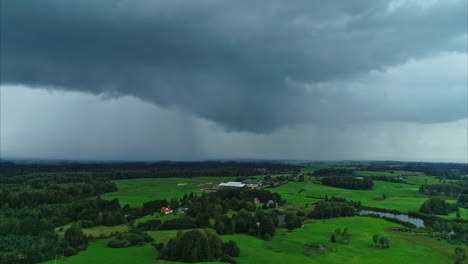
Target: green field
(401, 197)
(135, 192)
(98, 253)
(288, 247)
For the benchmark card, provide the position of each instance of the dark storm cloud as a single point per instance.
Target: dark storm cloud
(251, 65)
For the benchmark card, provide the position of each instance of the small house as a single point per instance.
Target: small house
(256, 200)
(166, 210)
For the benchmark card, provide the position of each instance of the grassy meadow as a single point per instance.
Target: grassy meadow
(288, 247)
(135, 192)
(98, 253)
(401, 197)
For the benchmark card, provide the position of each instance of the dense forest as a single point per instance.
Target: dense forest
(352, 183)
(130, 170)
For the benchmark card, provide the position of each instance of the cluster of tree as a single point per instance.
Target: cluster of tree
(333, 172)
(334, 207)
(437, 206)
(198, 246)
(12, 196)
(451, 189)
(32, 205)
(343, 237)
(75, 238)
(386, 179)
(462, 200)
(259, 224)
(150, 225)
(455, 230)
(352, 183)
(382, 241)
(272, 182)
(31, 240)
(293, 221)
(136, 237)
(249, 219)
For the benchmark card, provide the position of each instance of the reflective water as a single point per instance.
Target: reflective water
(415, 221)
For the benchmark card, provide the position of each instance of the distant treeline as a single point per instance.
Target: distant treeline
(386, 179)
(333, 172)
(451, 189)
(148, 170)
(444, 170)
(352, 183)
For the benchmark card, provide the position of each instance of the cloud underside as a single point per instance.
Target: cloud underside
(257, 66)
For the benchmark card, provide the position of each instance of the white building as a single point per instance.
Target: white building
(232, 184)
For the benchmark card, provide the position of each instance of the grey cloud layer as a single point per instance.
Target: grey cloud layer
(254, 66)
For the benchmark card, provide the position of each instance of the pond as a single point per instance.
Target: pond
(415, 221)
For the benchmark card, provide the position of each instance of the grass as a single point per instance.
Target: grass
(165, 235)
(463, 212)
(135, 192)
(288, 247)
(98, 252)
(401, 197)
(105, 230)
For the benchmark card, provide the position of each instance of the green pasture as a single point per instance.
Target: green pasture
(98, 253)
(401, 197)
(135, 192)
(105, 230)
(288, 247)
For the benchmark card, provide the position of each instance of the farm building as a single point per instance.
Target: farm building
(251, 183)
(166, 210)
(232, 184)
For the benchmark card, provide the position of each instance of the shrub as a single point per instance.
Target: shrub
(159, 246)
(228, 259)
(70, 251)
(118, 243)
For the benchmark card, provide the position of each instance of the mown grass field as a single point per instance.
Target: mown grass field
(401, 197)
(135, 192)
(98, 253)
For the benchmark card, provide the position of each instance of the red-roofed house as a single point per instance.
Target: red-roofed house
(166, 210)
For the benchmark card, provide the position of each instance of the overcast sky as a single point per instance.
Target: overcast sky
(190, 80)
